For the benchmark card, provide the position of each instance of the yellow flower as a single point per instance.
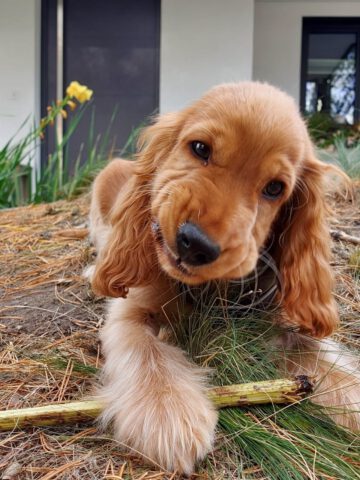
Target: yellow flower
(81, 92)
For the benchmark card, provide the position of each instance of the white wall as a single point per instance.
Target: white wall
(203, 43)
(277, 37)
(19, 64)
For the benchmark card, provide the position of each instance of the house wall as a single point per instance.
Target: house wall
(19, 63)
(203, 43)
(277, 37)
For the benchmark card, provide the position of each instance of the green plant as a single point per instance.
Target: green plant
(354, 263)
(130, 147)
(53, 177)
(324, 130)
(57, 180)
(321, 127)
(97, 152)
(53, 183)
(17, 155)
(347, 158)
(275, 442)
(11, 170)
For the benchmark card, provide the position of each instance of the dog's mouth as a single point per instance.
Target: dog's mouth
(174, 260)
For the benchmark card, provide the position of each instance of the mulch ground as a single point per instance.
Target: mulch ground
(49, 348)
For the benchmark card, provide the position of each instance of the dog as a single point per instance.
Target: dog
(212, 186)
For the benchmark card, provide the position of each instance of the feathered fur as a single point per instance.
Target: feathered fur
(153, 395)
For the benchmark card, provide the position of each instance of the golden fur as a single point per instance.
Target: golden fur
(153, 394)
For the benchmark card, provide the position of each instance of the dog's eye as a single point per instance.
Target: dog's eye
(273, 189)
(201, 150)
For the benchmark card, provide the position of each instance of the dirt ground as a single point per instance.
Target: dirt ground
(49, 349)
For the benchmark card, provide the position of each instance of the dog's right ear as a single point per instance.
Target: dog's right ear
(129, 257)
(156, 142)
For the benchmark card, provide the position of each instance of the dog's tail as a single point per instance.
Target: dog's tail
(336, 372)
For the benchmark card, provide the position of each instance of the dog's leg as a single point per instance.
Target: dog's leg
(155, 398)
(106, 187)
(336, 371)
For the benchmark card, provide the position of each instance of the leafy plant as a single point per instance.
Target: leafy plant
(91, 159)
(325, 131)
(52, 179)
(347, 158)
(11, 170)
(17, 155)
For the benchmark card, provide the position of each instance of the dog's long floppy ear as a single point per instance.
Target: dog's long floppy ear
(129, 258)
(303, 255)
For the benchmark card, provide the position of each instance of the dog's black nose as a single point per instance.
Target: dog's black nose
(194, 246)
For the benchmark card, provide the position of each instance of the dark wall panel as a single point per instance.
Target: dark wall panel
(112, 46)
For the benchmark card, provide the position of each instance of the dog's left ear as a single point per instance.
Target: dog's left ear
(303, 255)
(129, 258)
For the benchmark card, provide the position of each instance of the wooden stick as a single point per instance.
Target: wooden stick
(340, 235)
(46, 415)
(270, 391)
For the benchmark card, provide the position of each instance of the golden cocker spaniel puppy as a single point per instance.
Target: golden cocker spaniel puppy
(211, 185)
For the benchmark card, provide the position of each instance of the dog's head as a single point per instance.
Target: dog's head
(214, 182)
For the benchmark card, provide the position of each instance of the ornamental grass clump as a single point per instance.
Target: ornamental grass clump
(347, 158)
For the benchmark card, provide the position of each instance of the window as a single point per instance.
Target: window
(330, 68)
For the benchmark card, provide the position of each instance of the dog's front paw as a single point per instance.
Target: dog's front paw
(173, 429)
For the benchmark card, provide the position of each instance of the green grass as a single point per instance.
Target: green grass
(285, 442)
(12, 167)
(354, 263)
(66, 183)
(57, 361)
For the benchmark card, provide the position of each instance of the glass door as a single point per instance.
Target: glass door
(330, 68)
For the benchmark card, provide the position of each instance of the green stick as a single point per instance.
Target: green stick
(271, 391)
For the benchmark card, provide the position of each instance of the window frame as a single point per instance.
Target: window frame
(313, 25)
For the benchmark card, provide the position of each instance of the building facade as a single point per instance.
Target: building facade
(159, 55)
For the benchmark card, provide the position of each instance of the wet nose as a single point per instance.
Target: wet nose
(194, 246)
